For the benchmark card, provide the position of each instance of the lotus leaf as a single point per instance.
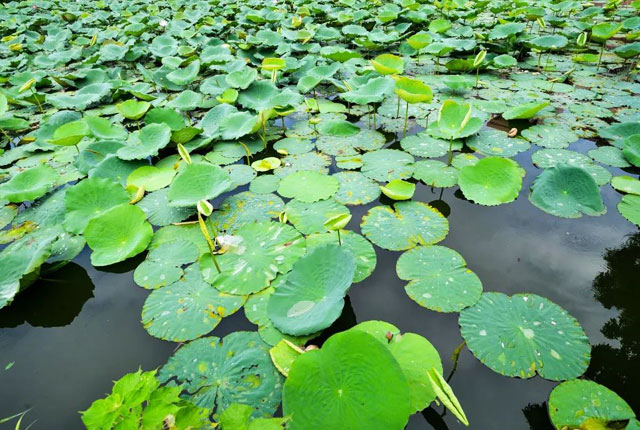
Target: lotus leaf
(28, 184)
(332, 387)
(567, 192)
(626, 184)
(524, 111)
(118, 233)
(409, 225)
(198, 181)
(440, 280)
(308, 186)
(244, 208)
(435, 173)
(629, 207)
(355, 189)
(212, 373)
(310, 218)
(387, 165)
(525, 334)
(491, 181)
(398, 189)
(90, 198)
(312, 295)
(587, 404)
(262, 250)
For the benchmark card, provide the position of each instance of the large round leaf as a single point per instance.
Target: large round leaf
(387, 164)
(308, 186)
(360, 247)
(567, 192)
(491, 181)
(198, 181)
(214, 373)
(439, 278)
(90, 198)
(629, 207)
(587, 404)
(188, 308)
(117, 234)
(353, 382)
(28, 184)
(312, 295)
(525, 334)
(409, 225)
(262, 250)
(415, 355)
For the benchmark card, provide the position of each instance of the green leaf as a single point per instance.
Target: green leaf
(440, 280)
(524, 111)
(626, 184)
(388, 64)
(409, 225)
(413, 90)
(360, 247)
(453, 117)
(188, 308)
(491, 181)
(212, 373)
(352, 382)
(312, 295)
(631, 149)
(146, 143)
(70, 133)
(446, 396)
(525, 334)
(387, 165)
(118, 233)
(198, 181)
(567, 192)
(29, 184)
(90, 198)
(355, 189)
(629, 207)
(263, 250)
(133, 109)
(586, 404)
(414, 354)
(399, 189)
(308, 186)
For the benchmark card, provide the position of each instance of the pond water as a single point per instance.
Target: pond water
(70, 335)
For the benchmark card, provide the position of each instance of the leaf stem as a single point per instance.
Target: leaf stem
(406, 119)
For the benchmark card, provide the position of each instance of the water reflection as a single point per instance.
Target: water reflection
(537, 416)
(618, 368)
(54, 300)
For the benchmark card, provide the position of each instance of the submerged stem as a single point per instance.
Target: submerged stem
(406, 118)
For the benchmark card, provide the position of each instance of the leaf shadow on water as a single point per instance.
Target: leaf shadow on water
(54, 300)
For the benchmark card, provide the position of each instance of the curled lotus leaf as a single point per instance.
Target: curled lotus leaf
(311, 296)
(568, 192)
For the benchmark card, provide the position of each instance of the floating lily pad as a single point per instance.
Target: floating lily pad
(263, 250)
(387, 164)
(198, 181)
(151, 178)
(423, 145)
(213, 373)
(117, 234)
(244, 208)
(525, 111)
(587, 404)
(309, 218)
(324, 389)
(360, 247)
(435, 173)
(150, 140)
(188, 308)
(312, 295)
(440, 280)
(610, 156)
(525, 334)
(491, 181)
(265, 184)
(626, 184)
(90, 198)
(629, 207)
(549, 136)
(567, 192)
(163, 265)
(493, 142)
(28, 184)
(159, 212)
(308, 186)
(355, 189)
(409, 225)
(546, 158)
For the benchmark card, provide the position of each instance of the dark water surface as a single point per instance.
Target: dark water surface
(74, 333)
